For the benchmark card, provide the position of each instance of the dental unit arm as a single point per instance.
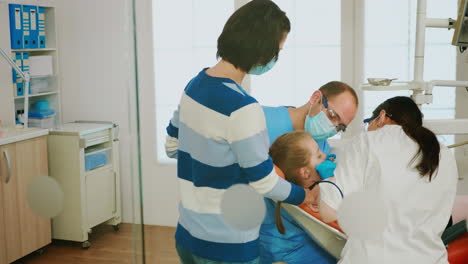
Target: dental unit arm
(422, 90)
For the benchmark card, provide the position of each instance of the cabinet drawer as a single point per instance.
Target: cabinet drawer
(97, 158)
(95, 138)
(100, 195)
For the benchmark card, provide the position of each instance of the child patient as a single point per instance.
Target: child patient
(297, 155)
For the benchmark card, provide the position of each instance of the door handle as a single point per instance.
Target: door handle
(115, 193)
(8, 161)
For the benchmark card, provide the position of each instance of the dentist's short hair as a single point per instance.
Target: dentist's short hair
(335, 88)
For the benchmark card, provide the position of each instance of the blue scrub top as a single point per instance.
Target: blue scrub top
(279, 122)
(294, 247)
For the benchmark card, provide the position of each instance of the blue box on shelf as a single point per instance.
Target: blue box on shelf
(41, 113)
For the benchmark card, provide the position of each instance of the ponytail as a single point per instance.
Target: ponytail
(404, 111)
(279, 219)
(429, 150)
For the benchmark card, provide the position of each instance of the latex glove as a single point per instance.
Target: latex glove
(326, 169)
(312, 198)
(172, 146)
(331, 157)
(315, 193)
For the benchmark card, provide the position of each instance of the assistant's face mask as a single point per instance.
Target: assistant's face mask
(260, 69)
(319, 126)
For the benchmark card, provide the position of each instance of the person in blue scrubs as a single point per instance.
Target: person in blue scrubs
(336, 102)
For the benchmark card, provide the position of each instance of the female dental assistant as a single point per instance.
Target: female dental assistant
(416, 178)
(295, 246)
(218, 136)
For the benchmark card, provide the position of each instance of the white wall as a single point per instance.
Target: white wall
(461, 111)
(95, 44)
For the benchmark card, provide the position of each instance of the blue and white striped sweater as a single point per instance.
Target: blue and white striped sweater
(222, 140)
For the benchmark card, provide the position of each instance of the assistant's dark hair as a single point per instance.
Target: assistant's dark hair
(252, 35)
(335, 88)
(404, 111)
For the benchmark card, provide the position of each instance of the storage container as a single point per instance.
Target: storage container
(46, 122)
(95, 158)
(40, 85)
(40, 65)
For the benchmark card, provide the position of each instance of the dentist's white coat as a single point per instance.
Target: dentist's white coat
(417, 210)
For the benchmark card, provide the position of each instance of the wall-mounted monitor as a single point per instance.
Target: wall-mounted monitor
(460, 36)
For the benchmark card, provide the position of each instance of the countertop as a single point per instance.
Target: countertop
(12, 135)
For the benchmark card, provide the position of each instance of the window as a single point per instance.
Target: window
(310, 57)
(389, 52)
(186, 32)
(185, 39)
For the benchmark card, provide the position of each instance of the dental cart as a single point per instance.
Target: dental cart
(84, 159)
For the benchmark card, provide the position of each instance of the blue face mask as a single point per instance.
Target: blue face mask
(319, 126)
(260, 69)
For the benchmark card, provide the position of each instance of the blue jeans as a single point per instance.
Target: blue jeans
(186, 257)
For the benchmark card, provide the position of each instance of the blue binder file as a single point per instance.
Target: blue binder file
(41, 23)
(16, 30)
(26, 27)
(17, 81)
(25, 66)
(33, 27)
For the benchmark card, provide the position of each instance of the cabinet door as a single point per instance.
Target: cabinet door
(31, 161)
(3, 177)
(100, 195)
(10, 202)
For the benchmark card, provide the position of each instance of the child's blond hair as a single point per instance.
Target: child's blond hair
(289, 153)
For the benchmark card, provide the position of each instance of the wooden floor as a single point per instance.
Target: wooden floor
(108, 246)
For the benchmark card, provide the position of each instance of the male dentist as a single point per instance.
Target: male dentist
(328, 112)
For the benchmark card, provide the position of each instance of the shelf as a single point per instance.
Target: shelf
(10, 104)
(36, 95)
(394, 86)
(33, 50)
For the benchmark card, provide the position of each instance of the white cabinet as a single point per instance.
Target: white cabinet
(84, 160)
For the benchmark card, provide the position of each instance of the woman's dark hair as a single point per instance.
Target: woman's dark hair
(289, 153)
(252, 35)
(404, 111)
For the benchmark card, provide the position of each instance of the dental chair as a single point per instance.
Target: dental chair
(329, 236)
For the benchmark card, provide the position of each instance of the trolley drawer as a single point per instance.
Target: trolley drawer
(95, 138)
